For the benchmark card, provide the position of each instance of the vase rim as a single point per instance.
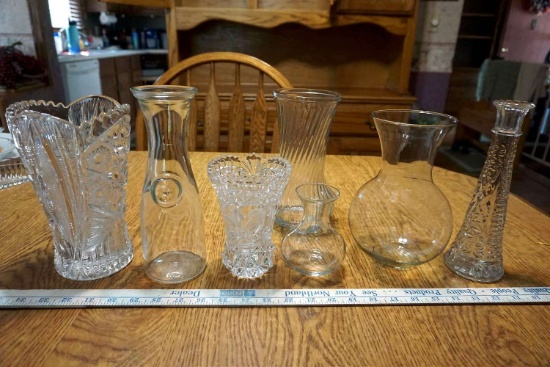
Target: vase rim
(163, 91)
(520, 105)
(307, 94)
(26, 108)
(392, 116)
(317, 193)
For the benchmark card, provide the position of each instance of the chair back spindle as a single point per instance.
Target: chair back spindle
(259, 119)
(237, 115)
(212, 114)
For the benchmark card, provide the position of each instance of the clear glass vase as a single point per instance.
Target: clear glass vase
(314, 247)
(248, 191)
(172, 226)
(476, 253)
(400, 217)
(305, 117)
(77, 158)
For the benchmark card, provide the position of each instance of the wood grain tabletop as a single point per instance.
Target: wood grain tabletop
(437, 335)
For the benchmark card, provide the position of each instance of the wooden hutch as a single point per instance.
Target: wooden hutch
(360, 48)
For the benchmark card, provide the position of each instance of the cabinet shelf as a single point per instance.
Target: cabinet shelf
(474, 37)
(478, 15)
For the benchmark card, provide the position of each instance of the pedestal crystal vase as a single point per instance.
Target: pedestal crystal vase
(476, 253)
(248, 191)
(77, 158)
(400, 217)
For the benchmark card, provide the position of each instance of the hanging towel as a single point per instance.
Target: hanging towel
(497, 79)
(531, 83)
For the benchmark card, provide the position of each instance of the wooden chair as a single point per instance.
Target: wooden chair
(230, 112)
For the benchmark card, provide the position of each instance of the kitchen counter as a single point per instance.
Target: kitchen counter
(104, 54)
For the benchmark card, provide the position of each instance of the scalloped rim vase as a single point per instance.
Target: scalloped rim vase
(77, 159)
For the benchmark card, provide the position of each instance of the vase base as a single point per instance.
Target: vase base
(248, 262)
(313, 263)
(411, 261)
(474, 270)
(175, 267)
(93, 270)
(289, 217)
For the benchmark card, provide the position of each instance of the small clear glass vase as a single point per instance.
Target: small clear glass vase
(77, 158)
(314, 247)
(172, 226)
(476, 253)
(400, 217)
(248, 191)
(305, 117)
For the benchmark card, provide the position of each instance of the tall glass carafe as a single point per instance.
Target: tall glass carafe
(476, 253)
(172, 227)
(400, 217)
(305, 117)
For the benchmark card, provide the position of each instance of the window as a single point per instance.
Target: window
(62, 10)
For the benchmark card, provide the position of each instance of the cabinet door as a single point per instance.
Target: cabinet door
(124, 79)
(376, 6)
(146, 3)
(107, 73)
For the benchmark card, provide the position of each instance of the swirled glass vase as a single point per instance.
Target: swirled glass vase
(172, 226)
(77, 158)
(305, 117)
(476, 253)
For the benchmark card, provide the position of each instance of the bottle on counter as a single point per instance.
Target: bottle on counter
(58, 42)
(73, 38)
(151, 39)
(123, 40)
(105, 38)
(135, 38)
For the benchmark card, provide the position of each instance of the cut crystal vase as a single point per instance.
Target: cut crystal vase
(476, 253)
(77, 158)
(248, 191)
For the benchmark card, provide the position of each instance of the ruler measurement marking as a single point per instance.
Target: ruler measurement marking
(71, 298)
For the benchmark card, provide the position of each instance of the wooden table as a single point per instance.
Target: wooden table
(465, 335)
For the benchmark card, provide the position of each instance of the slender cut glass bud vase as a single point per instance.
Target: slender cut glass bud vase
(476, 253)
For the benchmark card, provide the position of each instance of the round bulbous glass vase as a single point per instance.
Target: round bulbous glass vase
(400, 217)
(314, 247)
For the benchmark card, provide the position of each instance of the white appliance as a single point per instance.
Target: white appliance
(80, 78)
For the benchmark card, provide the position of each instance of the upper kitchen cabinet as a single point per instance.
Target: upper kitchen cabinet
(126, 7)
(360, 48)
